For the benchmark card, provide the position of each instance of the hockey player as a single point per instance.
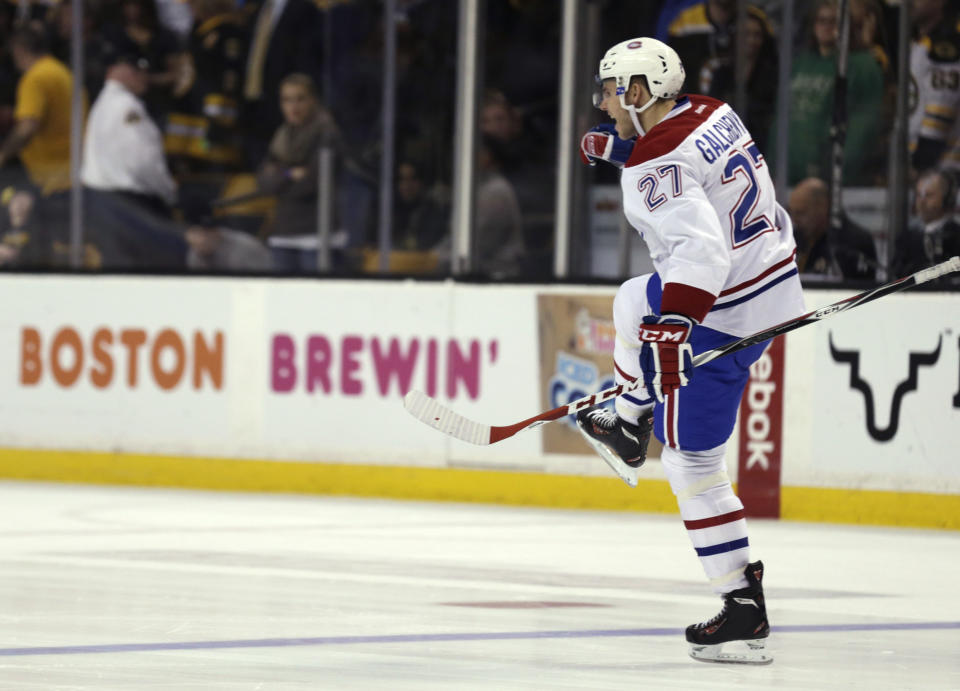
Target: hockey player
(697, 189)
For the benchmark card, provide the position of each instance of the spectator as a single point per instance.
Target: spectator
(702, 33)
(498, 119)
(123, 148)
(868, 31)
(285, 39)
(811, 112)
(60, 33)
(937, 235)
(138, 31)
(203, 130)
(868, 26)
(214, 248)
(41, 134)
(176, 16)
(289, 171)
(498, 228)
(21, 241)
(498, 243)
(851, 254)
(717, 78)
(424, 122)
(525, 33)
(129, 189)
(421, 215)
(521, 158)
(669, 12)
(355, 75)
(934, 125)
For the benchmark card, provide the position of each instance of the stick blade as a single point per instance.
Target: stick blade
(430, 412)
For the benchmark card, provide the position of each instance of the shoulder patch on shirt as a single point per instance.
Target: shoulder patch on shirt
(132, 117)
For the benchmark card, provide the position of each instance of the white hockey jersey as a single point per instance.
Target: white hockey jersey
(935, 95)
(698, 190)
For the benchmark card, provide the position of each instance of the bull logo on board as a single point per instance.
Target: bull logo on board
(917, 360)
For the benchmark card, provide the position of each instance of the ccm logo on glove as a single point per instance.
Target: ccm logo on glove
(665, 356)
(664, 333)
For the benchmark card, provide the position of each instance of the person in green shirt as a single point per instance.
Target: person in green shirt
(811, 109)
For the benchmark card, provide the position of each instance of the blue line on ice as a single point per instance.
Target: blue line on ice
(444, 637)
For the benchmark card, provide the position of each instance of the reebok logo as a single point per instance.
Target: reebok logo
(760, 435)
(760, 392)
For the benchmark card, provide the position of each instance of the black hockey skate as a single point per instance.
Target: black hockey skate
(621, 444)
(741, 626)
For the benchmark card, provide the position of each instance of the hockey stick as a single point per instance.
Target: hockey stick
(431, 412)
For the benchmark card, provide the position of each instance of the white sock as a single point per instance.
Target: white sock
(712, 514)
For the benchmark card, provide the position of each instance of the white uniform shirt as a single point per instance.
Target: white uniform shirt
(123, 148)
(698, 190)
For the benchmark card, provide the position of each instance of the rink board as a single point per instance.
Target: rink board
(296, 385)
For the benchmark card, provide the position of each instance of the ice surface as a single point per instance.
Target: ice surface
(120, 588)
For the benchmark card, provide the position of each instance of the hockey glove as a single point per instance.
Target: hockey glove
(665, 356)
(602, 143)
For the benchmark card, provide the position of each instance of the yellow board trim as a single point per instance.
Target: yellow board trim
(431, 484)
(868, 507)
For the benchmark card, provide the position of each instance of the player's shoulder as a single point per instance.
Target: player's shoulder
(669, 135)
(942, 45)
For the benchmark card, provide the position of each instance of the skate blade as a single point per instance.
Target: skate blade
(625, 472)
(733, 652)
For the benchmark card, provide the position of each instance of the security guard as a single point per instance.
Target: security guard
(123, 147)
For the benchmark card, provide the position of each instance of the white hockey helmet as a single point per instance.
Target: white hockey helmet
(646, 57)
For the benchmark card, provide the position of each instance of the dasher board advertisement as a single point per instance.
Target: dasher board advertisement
(298, 369)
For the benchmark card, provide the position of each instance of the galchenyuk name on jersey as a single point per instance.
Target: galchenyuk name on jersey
(720, 137)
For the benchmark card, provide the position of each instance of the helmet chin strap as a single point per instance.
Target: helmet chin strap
(635, 113)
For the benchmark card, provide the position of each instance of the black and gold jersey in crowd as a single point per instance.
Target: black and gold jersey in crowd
(205, 124)
(934, 125)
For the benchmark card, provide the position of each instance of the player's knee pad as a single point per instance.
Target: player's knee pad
(696, 473)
